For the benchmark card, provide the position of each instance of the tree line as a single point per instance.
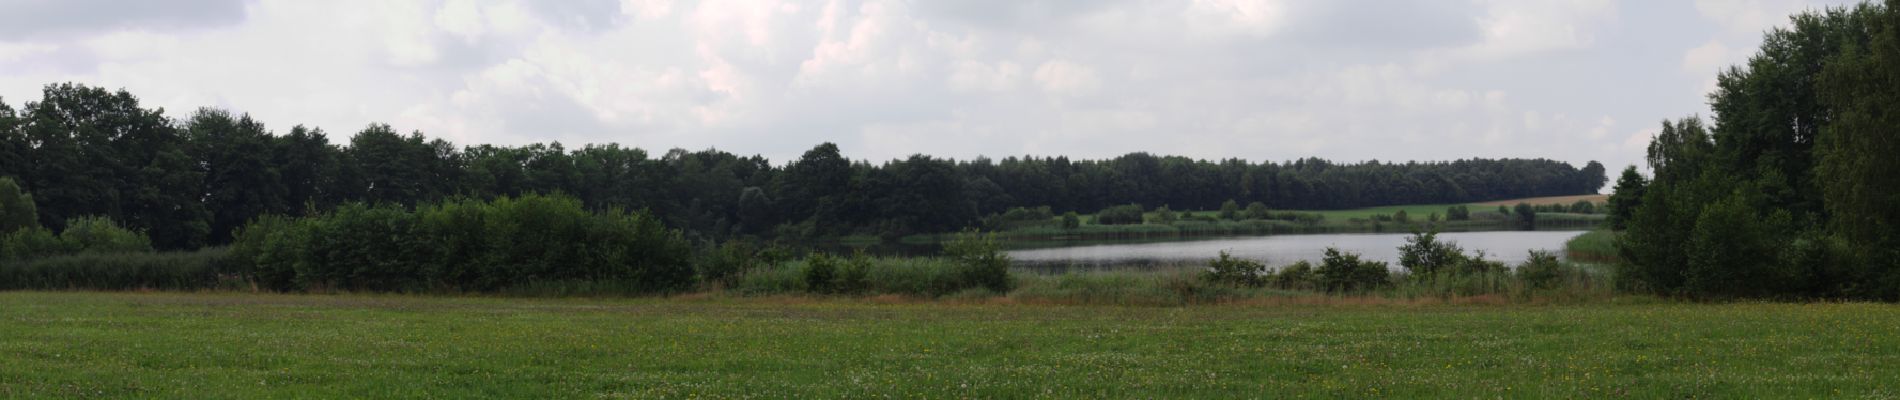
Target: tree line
(88, 151)
(1790, 190)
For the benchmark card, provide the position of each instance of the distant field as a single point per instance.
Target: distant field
(1564, 200)
(164, 345)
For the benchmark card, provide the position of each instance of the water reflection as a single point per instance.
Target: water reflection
(1277, 250)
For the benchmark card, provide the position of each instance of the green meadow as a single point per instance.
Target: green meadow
(231, 345)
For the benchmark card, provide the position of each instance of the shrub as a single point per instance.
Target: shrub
(467, 245)
(1128, 214)
(1583, 207)
(1424, 255)
(32, 243)
(820, 272)
(1345, 272)
(1299, 276)
(1258, 210)
(1071, 221)
(722, 264)
(1541, 270)
(17, 211)
(101, 235)
(1526, 216)
(1163, 215)
(1229, 210)
(983, 262)
(1402, 217)
(855, 274)
(120, 271)
(1235, 271)
(1458, 213)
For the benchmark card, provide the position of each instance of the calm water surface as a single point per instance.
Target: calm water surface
(1278, 250)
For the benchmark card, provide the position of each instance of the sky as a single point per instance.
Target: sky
(1262, 80)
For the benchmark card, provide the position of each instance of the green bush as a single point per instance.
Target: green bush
(1424, 255)
(202, 269)
(983, 261)
(1299, 276)
(1163, 215)
(1071, 221)
(1541, 270)
(1458, 213)
(854, 274)
(17, 211)
(1235, 271)
(34, 242)
(724, 263)
(1258, 210)
(1229, 210)
(1127, 214)
(1345, 272)
(101, 235)
(820, 273)
(467, 245)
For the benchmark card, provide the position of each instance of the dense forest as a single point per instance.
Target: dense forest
(1791, 191)
(88, 151)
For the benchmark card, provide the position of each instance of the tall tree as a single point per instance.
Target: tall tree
(99, 153)
(1858, 149)
(241, 178)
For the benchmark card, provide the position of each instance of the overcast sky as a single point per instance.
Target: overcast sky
(1255, 79)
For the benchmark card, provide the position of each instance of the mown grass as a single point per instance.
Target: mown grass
(223, 345)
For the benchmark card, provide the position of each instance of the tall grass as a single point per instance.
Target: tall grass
(912, 276)
(1598, 246)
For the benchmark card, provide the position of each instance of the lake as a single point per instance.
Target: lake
(1510, 247)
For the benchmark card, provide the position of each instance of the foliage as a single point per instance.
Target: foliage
(982, 260)
(1794, 173)
(1424, 255)
(1071, 221)
(1230, 210)
(467, 245)
(16, 208)
(821, 272)
(1235, 271)
(1628, 195)
(1540, 270)
(1345, 272)
(1126, 214)
(1526, 216)
(196, 270)
(1458, 213)
(1163, 215)
(1258, 210)
(1298, 276)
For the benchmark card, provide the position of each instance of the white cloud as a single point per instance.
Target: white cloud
(1064, 77)
(1517, 27)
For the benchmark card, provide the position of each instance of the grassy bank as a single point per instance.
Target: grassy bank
(171, 345)
(1598, 246)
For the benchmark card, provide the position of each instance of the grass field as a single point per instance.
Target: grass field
(169, 345)
(1560, 200)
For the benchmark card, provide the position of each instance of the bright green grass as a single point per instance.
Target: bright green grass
(1597, 246)
(72, 345)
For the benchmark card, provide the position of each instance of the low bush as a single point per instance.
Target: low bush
(82, 235)
(1346, 272)
(195, 270)
(465, 246)
(1127, 214)
(1540, 271)
(981, 260)
(1298, 276)
(1226, 269)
